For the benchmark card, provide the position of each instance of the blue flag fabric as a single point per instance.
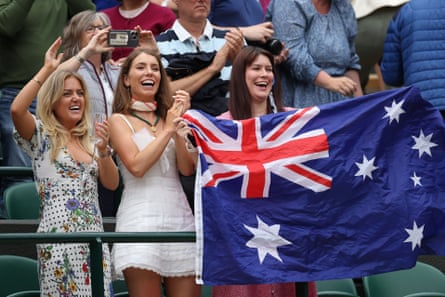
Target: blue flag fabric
(337, 191)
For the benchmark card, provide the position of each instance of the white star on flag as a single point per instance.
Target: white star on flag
(415, 235)
(266, 240)
(423, 143)
(394, 111)
(366, 167)
(416, 179)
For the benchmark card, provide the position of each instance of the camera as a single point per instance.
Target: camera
(272, 45)
(123, 38)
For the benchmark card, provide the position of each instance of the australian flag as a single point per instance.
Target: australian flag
(336, 191)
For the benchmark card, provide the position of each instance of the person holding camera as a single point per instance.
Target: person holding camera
(143, 13)
(322, 65)
(86, 50)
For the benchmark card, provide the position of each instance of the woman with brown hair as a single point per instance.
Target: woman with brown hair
(150, 151)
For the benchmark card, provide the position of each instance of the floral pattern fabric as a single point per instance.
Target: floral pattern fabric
(68, 203)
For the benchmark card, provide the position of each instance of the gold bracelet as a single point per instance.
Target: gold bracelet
(79, 58)
(36, 80)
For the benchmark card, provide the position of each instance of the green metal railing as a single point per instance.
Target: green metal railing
(16, 171)
(95, 240)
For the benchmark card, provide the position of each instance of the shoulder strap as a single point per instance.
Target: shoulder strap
(126, 121)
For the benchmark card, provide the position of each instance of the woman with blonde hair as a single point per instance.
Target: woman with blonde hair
(67, 166)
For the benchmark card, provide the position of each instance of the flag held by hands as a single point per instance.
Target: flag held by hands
(341, 190)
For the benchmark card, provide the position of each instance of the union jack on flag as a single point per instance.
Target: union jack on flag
(283, 152)
(353, 188)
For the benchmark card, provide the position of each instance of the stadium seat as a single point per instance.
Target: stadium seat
(336, 288)
(22, 201)
(17, 274)
(426, 294)
(423, 278)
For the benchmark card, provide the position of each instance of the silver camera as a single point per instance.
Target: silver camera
(123, 38)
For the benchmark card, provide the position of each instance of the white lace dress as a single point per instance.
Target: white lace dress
(152, 203)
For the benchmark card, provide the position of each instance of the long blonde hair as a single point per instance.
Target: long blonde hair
(50, 93)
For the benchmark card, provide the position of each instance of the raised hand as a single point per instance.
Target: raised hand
(52, 58)
(98, 43)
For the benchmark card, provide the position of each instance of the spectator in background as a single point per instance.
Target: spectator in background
(414, 50)
(255, 91)
(144, 133)
(90, 58)
(194, 53)
(373, 17)
(322, 65)
(27, 29)
(143, 13)
(85, 51)
(67, 166)
(247, 16)
(197, 59)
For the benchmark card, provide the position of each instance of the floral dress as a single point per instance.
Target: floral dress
(68, 203)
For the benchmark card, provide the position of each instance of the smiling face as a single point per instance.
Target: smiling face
(259, 78)
(69, 109)
(144, 77)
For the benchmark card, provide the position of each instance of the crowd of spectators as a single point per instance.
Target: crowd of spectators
(199, 54)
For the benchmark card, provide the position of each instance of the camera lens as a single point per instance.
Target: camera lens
(275, 46)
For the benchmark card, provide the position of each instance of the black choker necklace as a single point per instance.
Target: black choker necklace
(152, 126)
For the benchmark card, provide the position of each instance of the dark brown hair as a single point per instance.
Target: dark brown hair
(239, 102)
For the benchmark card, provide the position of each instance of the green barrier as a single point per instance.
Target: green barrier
(95, 240)
(16, 171)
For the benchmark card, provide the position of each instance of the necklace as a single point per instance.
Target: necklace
(152, 126)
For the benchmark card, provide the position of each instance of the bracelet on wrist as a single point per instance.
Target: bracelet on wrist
(79, 58)
(105, 154)
(36, 80)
